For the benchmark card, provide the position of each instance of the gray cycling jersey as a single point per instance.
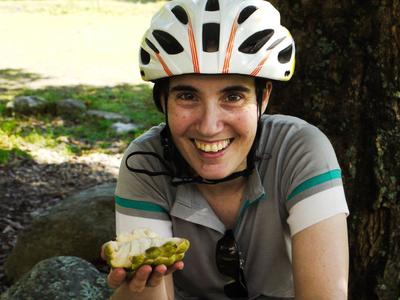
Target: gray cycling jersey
(296, 183)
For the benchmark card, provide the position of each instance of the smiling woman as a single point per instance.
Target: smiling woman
(212, 121)
(258, 196)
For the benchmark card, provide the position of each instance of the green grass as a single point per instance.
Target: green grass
(132, 101)
(7, 155)
(20, 134)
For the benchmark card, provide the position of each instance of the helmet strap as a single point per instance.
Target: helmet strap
(179, 170)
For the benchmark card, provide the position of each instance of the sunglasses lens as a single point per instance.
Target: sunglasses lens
(229, 264)
(235, 289)
(227, 255)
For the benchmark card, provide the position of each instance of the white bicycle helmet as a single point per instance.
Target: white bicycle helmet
(217, 37)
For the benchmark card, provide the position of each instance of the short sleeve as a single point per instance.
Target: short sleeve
(141, 200)
(312, 179)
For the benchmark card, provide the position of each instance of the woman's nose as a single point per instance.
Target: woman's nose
(210, 120)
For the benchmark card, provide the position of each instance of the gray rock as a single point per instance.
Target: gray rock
(121, 128)
(70, 108)
(27, 105)
(78, 226)
(60, 278)
(107, 115)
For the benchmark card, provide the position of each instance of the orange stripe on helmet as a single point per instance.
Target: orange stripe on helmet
(260, 64)
(164, 65)
(193, 49)
(229, 48)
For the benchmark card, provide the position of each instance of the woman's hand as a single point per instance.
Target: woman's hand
(145, 276)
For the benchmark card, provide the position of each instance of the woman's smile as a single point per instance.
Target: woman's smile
(213, 121)
(211, 146)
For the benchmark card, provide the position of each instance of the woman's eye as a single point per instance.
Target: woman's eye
(185, 96)
(233, 98)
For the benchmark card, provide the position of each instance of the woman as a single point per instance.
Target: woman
(260, 197)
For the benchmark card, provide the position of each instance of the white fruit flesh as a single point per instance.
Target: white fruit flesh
(143, 246)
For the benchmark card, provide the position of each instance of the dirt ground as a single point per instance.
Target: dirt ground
(88, 47)
(29, 188)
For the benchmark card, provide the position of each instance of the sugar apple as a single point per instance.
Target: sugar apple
(144, 247)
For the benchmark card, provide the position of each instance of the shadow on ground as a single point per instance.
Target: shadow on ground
(17, 78)
(74, 133)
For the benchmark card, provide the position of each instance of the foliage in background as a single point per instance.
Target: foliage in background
(19, 135)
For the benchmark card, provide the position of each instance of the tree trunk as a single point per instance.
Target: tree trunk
(347, 82)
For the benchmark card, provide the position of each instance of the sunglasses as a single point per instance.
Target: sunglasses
(230, 263)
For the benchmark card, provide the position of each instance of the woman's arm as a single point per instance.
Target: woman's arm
(321, 260)
(146, 283)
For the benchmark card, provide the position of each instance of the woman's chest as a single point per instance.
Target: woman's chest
(265, 247)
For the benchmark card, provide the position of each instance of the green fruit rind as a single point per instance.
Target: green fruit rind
(153, 252)
(144, 247)
(183, 246)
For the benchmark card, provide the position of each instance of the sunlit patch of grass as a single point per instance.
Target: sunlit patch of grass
(9, 126)
(132, 101)
(20, 134)
(17, 77)
(6, 155)
(83, 134)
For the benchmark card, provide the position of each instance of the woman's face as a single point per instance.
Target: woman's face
(213, 121)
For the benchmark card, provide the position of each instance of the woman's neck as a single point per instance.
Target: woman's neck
(225, 199)
(222, 190)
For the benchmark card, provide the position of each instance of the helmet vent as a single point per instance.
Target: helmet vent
(167, 42)
(285, 55)
(144, 56)
(180, 14)
(142, 73)
(274, 44)
(210, 37)
(212, 5)
(151, 45)
(245, 13)
(254, 43)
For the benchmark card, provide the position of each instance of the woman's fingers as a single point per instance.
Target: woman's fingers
(157, 275)
(116, 277)
(139, 280)
(175, 267)
(102, 255)
(151, 277)
(144, 276)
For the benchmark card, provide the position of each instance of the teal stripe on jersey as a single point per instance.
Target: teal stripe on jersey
(246, 205)
(314, 181)
(141, 205)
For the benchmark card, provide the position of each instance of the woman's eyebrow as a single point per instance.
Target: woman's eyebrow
(232, 88)
(186, 88)
(236, 88)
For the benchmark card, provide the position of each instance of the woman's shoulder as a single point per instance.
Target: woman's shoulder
(283, 120)
(148, 141)
(285, 137)
(284, 127)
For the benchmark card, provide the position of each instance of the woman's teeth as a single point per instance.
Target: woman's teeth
(212, 147)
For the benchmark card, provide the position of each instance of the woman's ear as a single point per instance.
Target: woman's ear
(265, 97)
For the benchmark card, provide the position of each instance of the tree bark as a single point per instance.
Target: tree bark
(347, 82)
